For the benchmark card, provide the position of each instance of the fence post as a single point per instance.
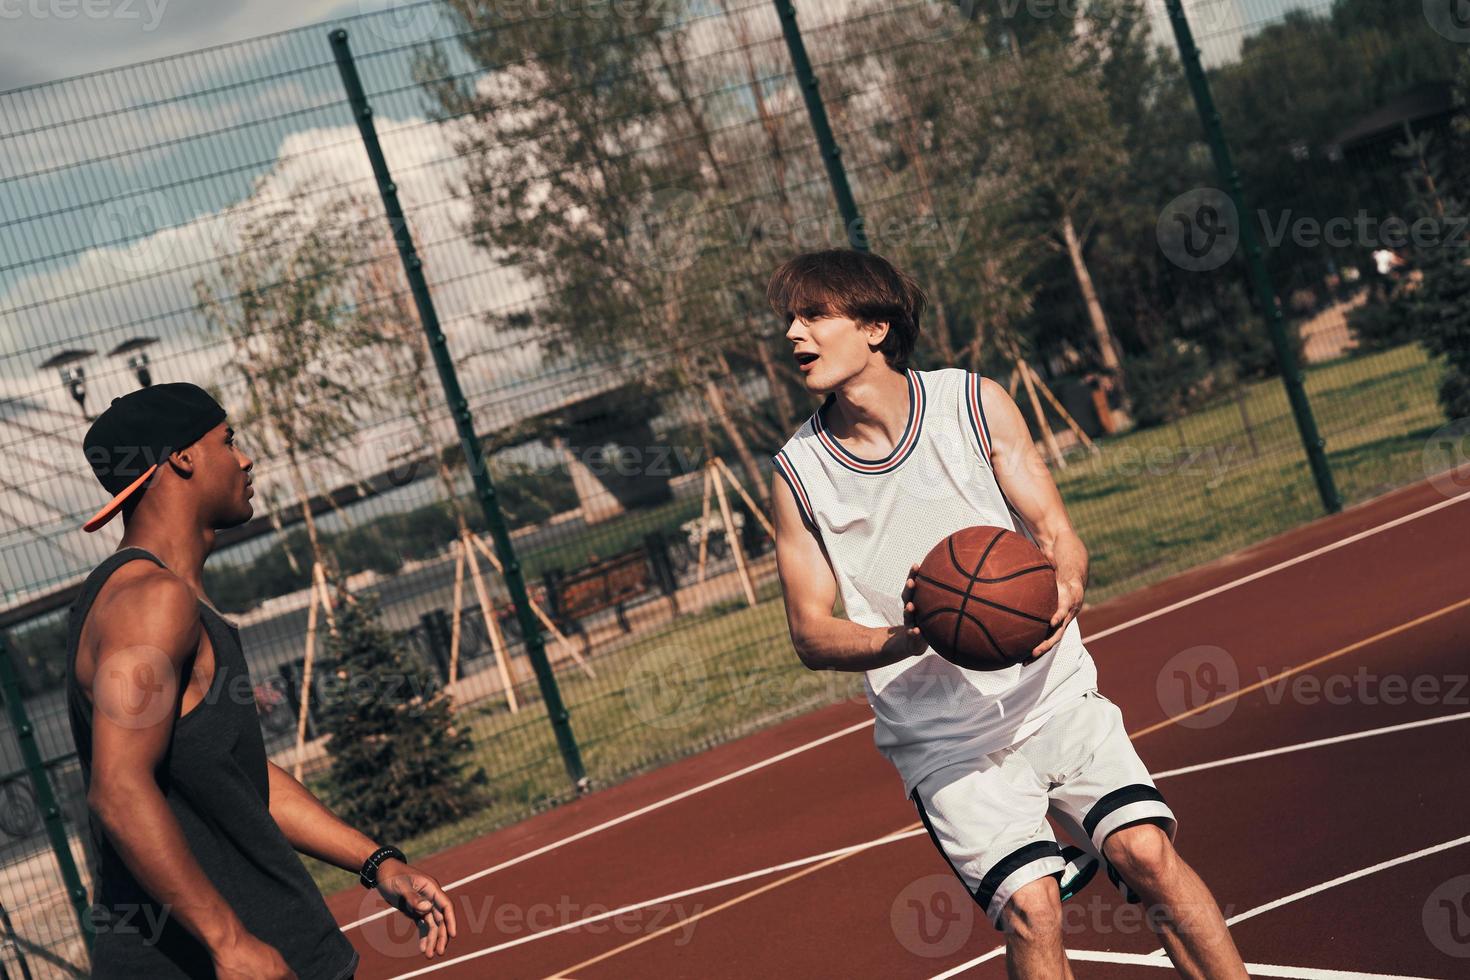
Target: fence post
(831, 154)
(463, 420)
(25, 735)
(1291, 373)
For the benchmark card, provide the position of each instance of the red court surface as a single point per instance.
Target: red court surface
(1332, 659)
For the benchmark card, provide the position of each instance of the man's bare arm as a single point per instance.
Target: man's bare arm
(144, 658)
(822, 640)
(314, 829)
(1027, 483)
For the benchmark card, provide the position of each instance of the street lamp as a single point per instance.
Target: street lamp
(72, 375)
(138, 359)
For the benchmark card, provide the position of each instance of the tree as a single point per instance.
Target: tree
(587, 172)
(1438, 292)
(398, 754)
(309, 358)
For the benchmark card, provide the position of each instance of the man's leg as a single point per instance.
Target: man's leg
(1179, 908)
(1033, 927)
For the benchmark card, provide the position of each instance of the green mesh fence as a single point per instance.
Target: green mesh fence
(599, 193)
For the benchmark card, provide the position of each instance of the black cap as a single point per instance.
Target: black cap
(137, 433)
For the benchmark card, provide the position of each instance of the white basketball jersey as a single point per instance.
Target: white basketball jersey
(878, 517)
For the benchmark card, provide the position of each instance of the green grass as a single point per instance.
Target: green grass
(1145, 507)
(1165, 499)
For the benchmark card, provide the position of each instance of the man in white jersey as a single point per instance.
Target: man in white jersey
(894, 461)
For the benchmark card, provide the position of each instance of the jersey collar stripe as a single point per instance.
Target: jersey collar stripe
(906, 442)
(977, 413)
(798, 489)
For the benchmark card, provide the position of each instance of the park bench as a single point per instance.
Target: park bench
(607, 583)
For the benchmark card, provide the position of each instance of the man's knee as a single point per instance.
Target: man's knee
(1143, 855)
(1034, 911)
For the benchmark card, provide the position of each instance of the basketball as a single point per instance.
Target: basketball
(984, 598)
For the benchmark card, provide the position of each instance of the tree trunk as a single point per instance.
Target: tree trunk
(785, 411)
(716, 398)
(1106, 346)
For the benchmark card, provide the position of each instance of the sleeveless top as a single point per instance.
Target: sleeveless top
(878, 517)
(214, 779)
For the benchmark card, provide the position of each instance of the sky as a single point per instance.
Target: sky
(113, 181)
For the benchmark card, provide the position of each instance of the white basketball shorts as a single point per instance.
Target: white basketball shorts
(988, 815)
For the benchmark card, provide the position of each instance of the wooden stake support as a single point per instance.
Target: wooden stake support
(561, 637)
(319, 594)
(735, 482)
(1047, 437)
(1082, 436)
(492, 627)
(733, 539)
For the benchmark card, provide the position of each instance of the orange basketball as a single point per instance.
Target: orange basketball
(984, 598)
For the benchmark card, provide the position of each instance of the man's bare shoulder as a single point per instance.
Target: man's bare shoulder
(140, 604)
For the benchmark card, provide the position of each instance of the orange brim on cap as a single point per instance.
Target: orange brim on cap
(115, 504)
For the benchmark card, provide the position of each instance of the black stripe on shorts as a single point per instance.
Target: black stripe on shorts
(1116, 800)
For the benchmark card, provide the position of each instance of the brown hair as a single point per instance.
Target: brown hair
(858, 285)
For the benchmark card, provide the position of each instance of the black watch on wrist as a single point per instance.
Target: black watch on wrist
(369, 874)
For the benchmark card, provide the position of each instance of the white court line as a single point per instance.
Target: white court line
(1159, 958)
(659, 804)
(1254, 969)
(1350, 539)
(685, 794)
(956, 971)
(877, 842)
(1354, 736)
(1344, 879)
(672, 896)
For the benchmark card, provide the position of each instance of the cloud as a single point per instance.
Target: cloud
(139, 279)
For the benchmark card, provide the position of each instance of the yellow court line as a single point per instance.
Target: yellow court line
(1342, 652)
(565, 974)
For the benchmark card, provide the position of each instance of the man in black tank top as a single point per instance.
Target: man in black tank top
(196, 833)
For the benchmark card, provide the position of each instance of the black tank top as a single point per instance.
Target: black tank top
(215, 780)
